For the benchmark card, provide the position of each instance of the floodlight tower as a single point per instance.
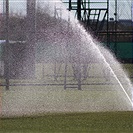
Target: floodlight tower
(30, 42)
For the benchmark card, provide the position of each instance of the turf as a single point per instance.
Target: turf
(101, 122)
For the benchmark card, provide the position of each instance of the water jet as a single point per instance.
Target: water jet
(67, 56)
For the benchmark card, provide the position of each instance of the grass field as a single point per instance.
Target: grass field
(83, 122)
(102, 122)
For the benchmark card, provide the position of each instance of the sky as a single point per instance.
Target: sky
(19, 6)
(124, 6)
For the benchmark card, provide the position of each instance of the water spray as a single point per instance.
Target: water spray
(112, 71)
(130, 100)
(108, 65)
(104, 59)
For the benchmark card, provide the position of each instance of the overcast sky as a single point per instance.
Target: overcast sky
(20, 5)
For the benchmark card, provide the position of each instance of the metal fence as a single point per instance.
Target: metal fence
(22, 24)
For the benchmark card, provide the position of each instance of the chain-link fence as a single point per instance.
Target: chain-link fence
(42, 22)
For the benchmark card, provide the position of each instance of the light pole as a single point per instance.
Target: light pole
(79, 9)
(6, 54)
(31, 38)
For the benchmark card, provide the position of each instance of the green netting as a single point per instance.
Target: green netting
(124, 49)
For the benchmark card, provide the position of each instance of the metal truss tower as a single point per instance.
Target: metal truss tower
(93, 15)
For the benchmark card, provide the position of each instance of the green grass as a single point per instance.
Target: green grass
(101, 122)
